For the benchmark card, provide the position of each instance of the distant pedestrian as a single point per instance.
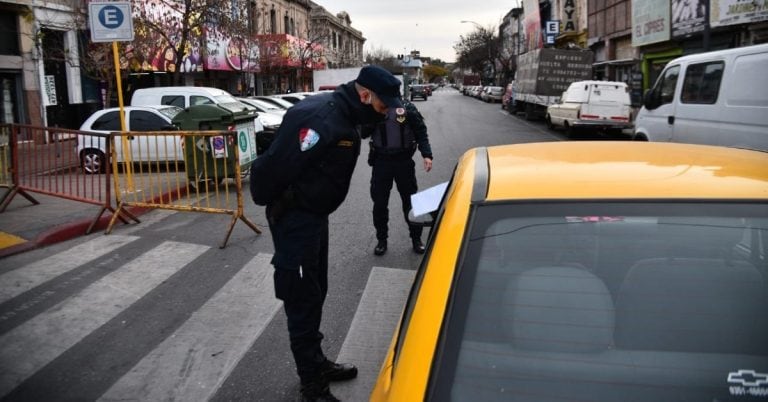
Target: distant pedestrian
(302, 178)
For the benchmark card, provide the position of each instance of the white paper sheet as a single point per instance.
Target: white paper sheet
(428, 200)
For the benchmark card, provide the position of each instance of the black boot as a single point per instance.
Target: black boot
(418, 246)
(331, 371)
(381, 247)
(317, 392)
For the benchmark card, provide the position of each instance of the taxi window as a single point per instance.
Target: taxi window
(597, 301)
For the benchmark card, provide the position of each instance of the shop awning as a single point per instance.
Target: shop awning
(615, 62)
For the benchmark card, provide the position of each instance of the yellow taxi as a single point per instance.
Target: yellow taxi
(591, 271)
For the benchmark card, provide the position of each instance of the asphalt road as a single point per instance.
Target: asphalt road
(156, 311)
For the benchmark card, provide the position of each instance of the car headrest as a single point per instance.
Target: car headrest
(559, 309)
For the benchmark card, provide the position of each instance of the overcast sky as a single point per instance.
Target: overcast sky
(430, 26)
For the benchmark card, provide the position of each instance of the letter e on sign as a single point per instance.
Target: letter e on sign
(552, 27)
(110, 21)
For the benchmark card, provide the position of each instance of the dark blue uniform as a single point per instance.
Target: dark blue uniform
(303, 177)
(393, 144)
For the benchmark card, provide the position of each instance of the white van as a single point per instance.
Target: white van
(595, 105)
(185, 97)
(715, 98)
(182, 97)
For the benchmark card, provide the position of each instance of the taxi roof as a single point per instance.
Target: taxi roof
(617, 170)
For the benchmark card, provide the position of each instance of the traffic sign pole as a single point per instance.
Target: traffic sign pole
(112, 22)
(126, 145)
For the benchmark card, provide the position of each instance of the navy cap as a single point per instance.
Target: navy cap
(382, 83)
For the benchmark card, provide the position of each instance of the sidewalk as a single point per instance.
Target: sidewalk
(25, 226)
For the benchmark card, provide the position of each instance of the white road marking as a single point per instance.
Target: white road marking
(22, 279)
(372, 328)
(191, 364)
(30, 346)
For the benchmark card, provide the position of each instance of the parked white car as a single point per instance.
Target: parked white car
(270, 115)
(492, 94)
(279, 102)
(595, 105)
(92, 150)
(714, 98)
(292, 97)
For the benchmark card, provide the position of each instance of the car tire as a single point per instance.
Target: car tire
(528, 113)
(639, 137)
(93, 161)
(570, 132)
(548, 122)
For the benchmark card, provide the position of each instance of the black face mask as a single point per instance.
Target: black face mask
(369, 115)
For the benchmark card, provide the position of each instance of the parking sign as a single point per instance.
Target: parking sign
(110, 21)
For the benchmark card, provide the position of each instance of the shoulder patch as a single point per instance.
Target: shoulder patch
(400, 115)
(308, 138)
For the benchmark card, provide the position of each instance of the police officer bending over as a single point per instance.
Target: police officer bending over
(393, 144)
(303, 177)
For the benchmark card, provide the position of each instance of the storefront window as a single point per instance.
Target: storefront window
(9, 40)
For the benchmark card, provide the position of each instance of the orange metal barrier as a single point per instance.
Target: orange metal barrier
(45, 160)
(197, 171)
(5, 157)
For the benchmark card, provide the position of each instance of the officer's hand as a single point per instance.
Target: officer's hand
(427, 164)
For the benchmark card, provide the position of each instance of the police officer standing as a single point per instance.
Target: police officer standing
(393, 143)
(302, 178)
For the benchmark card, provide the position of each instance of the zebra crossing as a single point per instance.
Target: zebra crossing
(192, 362)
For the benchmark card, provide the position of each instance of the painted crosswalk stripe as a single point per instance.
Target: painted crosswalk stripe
(372, 328)
(20, 280)
(191, 364)
(30, 346)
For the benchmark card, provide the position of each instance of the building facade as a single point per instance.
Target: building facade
(342, 44)
(42, 82)
(632, 40)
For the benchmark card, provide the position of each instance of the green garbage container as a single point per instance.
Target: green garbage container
(213, 157)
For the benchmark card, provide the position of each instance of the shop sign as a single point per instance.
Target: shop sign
(650, 21)
(50, 90)
(731, 12)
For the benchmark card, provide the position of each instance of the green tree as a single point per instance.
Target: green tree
(168, 30)
(431, 72)
(479, 51)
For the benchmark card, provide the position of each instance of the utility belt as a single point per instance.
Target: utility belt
(394, 153)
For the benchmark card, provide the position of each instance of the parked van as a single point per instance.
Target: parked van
(185, 97)
(715, 98)
(594, 105)
(182, 97)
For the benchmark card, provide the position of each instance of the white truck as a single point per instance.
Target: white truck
(592, 105)
(544, 74)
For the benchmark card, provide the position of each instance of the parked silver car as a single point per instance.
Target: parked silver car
(492, 94)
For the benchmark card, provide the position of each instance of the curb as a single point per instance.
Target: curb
(77, 228)
(64, 232)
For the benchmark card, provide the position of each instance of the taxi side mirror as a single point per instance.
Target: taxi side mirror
(424, 220)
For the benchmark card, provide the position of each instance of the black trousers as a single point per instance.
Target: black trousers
(301, 282)
(401, 170)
